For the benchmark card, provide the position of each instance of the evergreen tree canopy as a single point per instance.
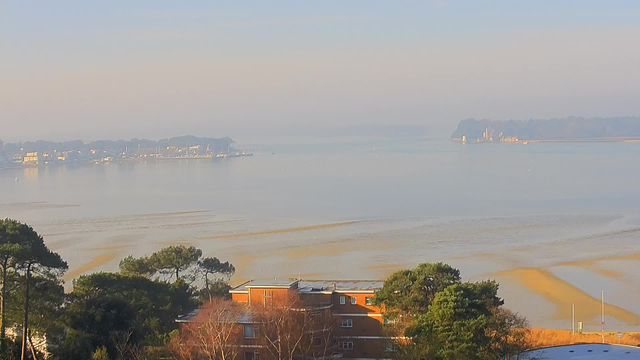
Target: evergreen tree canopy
(175, 259)
(441, 318)
(411, 291)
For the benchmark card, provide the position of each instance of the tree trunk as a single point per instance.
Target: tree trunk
(206, 284)
(33, 348)
(177, 275)
(3, 294)
(25, 324)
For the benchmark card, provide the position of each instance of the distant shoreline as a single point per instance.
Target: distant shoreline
(586, 140)
(571, 128)
(114, 161)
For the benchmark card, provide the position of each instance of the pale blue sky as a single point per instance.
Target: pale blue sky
(121, 69)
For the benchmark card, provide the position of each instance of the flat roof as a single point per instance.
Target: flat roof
(339, 285)
(274, 283)
(312, 286)
(586, 352)
(192, 316)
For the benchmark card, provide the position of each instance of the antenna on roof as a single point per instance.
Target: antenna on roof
(299, 278)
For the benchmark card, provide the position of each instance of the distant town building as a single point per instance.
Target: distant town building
(31, 158)
(509, 139)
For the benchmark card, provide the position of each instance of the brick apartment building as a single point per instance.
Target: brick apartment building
(360, 324)
(357, 324)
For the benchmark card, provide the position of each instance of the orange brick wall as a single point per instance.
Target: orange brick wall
(362, 326)
(366, 348)
(358, 308)
(239, 297)
(277, 296)
(316, 299)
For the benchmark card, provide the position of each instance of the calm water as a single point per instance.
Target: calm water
(483, 207)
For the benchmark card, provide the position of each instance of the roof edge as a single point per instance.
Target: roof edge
(239, 285)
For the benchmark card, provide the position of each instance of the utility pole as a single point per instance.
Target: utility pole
(573, 319)
(603, 316)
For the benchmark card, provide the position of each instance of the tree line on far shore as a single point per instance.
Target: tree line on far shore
(130, 314)
(215, 144)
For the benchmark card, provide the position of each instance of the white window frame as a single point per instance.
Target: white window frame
(368, 300)
(254, 331)
(346, 345)
(343, 299)
(354, 300)
(347, 323)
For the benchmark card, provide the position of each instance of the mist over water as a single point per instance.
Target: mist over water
(485, 208)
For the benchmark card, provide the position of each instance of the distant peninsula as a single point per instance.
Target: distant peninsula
(566, 129)
(218, 144)
(40, 153)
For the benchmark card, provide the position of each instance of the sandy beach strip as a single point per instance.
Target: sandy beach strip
(383, 271)
(97, 261)
(172, 213)
(281, 231)
(562, 294)
(36, 205)
(245, 261)
(595, 265)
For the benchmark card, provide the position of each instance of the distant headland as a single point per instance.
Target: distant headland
(566, 129)
(40, 153)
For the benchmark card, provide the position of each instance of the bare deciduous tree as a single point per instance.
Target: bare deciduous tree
(125, 348)
(291, 329)
(280, 330)
(214, 333)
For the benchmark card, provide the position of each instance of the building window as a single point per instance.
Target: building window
(251, 355)
(317, 340)
(353, 300)
(267, 299)
(343, 300)
(346, 345)
(368, 300)
(250, 332)
(347, 323)
(390, 346)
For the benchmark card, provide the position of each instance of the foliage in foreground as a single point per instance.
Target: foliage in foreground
(436, 316)
(25, 263)
(130, 314)
(126, 315)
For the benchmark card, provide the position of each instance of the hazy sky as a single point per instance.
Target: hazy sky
(122, 69)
